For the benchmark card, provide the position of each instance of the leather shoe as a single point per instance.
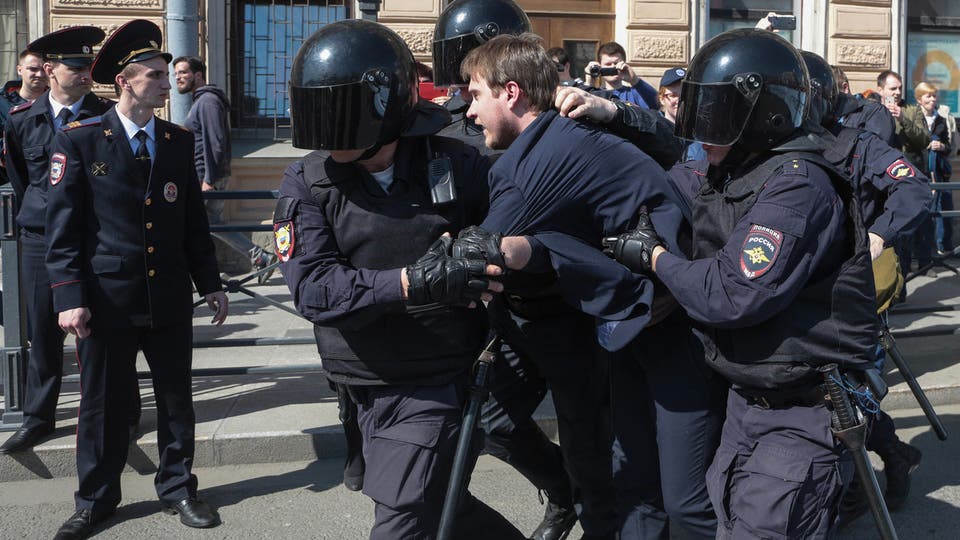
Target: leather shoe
(25, 439)
(80, 525)
(557, 522)
(194, 513)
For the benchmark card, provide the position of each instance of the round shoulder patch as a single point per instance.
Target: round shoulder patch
(759, 251)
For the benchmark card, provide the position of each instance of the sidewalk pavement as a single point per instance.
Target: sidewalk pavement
(280, 412)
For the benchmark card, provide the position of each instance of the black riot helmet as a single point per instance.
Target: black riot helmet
(746, 87)
(465, 25)
(352, 84)
(824, 93)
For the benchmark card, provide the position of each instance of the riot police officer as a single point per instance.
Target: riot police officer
(779, 282)
(349, 225)
(67, 55)
(893, 197)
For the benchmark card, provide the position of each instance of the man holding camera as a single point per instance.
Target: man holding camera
(611, 72)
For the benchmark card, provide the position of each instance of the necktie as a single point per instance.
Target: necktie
(63, 117)
(142, 154)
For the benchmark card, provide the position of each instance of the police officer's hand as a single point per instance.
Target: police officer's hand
(74, 321)
(576, 103)
(440, 278)
(478, 244)
(219, 305)
(207, 187)
(634, 249)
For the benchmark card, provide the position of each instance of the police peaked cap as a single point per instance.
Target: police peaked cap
(73, 46)
(137, 41)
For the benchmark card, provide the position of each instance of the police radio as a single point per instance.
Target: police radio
(443, 189)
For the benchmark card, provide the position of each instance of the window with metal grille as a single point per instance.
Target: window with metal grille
(265, 38)
(13, 36)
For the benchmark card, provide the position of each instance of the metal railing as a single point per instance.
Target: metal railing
(15, 346)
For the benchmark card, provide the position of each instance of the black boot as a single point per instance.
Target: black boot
(899, 461)
(558, 519)
(853, 504)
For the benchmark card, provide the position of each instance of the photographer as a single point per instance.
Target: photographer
(611, 69)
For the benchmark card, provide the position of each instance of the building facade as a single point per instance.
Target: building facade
(249, 46)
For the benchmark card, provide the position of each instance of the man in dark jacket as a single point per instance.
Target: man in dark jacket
(28, 138)
(127, 235)
(209, 120)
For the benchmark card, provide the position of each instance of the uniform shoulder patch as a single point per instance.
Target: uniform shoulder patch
(92, 121)
(58, 165)
(900, 169)
(21, 107)
(284, 232)
(760, 250)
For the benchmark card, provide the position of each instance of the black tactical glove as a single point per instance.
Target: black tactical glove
(475, 243)
(634, 249)
(437, 278)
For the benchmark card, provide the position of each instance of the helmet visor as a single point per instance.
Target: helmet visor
(343, 117)
(713, 113)
(448, 54)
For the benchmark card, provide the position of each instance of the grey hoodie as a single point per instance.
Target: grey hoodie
(209, 121)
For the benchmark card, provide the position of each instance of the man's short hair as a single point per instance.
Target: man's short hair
(559, 55)
(26, 52)
(520, 59)
(195, 64)
(840, 77)
(882, 77)
(611, 48)
(922, 89)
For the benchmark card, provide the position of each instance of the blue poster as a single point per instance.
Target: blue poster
(934, 58)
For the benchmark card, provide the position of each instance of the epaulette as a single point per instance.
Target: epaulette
(794, 167)
(21, 107)
(92, 121)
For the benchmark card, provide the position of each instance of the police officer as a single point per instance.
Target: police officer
(32, 83)
(349, 225)
(28, 136)
(779, 283)
(516, 387)
(893, 197)
(127, 231)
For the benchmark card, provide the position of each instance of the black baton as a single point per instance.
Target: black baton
(850, 429)
(889, 345)
(458, 473)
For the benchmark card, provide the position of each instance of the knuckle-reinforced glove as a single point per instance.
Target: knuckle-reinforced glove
(442, 279)
(634, 249)
(475, 243)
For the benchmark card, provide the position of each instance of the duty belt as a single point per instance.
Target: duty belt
(781, 399)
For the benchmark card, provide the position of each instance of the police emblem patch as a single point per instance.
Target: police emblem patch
(900, 169)
(759, 251)
(58, 164)
(283, 239)
(170, 192)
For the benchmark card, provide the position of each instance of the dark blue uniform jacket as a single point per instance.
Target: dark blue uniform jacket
(568, 184)
(893, 194)
(28, 137)
(120, 244)
(866, 114)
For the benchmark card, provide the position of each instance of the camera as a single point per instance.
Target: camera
(597, 71)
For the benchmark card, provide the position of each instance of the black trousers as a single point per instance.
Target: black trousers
(107, 363)
(409, 441)
(45, 361)
(667, 414)
(568, 356)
